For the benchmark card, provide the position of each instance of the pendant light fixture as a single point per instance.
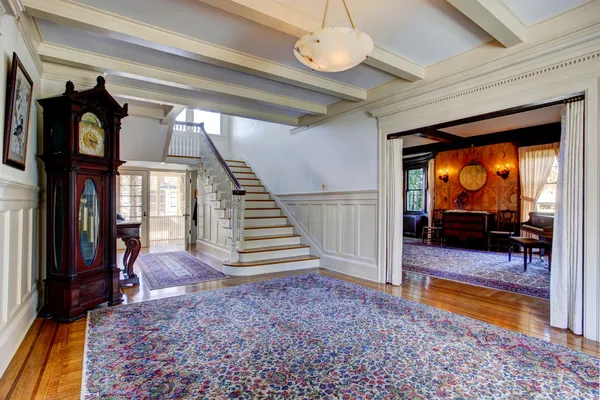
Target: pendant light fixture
(333, 49)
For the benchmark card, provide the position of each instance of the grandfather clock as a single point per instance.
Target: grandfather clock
(81, 159)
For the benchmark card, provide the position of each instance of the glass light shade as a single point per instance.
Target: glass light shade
(333, 49)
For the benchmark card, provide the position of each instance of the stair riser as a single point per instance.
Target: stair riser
(255, 188)
(265, 222)
(253, 196)
(267, 212)
(236, 164)
(268, 232)
(255, 244)
(269, 255)
(260, 204)
(245, 175)
(269, 269)
(243, 181)
(239, 169)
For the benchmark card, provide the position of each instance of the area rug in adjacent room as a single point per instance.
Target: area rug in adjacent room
(162, 270)
(481, 268)
(311, 336)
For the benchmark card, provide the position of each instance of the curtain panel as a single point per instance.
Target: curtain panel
(535, 164)
(430, 190)
(395, 210)
(566, 280)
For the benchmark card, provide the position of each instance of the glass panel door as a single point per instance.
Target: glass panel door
(167, 208)
(132, 201)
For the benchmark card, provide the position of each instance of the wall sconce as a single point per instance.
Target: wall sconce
(503, 173)
(444, 177)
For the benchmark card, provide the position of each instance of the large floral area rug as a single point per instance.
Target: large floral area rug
(482, 268)
(315, 337)
(162, 270)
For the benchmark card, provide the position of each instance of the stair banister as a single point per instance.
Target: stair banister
(232, 192)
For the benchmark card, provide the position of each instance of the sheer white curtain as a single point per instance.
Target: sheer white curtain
(566, 280)
(535, 163)
(395, 211)
(430, 190)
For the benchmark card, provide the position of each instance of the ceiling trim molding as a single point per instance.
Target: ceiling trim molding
(171, 114)
(557, 39)
(26, 27)
(494, 17)
(86, 78)
(287, 20)
(72, 56)
(145, 112)
(89, 18)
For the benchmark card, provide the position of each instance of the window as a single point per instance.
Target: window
(166, 194)
(212, 121)
(547, 199)
(415, 190)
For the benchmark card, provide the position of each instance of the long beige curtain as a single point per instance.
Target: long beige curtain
(535, 163)
(430, 190)
(395, 211)
(566, 279)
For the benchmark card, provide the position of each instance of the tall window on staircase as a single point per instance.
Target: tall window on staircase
(212, 121)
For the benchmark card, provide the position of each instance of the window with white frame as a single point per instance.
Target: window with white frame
(547, 199)
(211, 120)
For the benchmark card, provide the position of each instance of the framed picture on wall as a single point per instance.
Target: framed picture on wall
(16, 120)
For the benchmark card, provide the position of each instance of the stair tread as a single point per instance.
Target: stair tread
(269, 262)
(268, 227)
(255, 186)
(293, 235)
(274, 248)
(239, 172)
(259, 200)
(273, 216)
(236, 161)
(257, 192)
(256, 209)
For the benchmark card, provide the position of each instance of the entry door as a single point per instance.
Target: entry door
(132, 201)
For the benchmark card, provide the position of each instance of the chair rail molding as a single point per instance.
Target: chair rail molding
(19, 265)
(340, 227)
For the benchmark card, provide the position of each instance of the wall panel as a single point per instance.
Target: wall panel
(19, 265)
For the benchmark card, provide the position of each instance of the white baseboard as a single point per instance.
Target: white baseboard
(16, 330)
(215, 250)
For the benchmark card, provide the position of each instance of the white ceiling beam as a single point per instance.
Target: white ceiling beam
(494, 17)
(86, 79)
(93, 19)
(76, 57)
(171, 114)
(285, 19)
(145, 112)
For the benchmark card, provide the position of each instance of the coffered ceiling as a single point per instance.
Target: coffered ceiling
(235, 56)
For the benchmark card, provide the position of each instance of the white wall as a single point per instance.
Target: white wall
(342, 154)
(142, 139)
(19, 212)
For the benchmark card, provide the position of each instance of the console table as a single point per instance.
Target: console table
(129, 232)
(466, 225)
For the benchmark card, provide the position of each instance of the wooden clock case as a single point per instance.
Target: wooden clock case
(81, 262)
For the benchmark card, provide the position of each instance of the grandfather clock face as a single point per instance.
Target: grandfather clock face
(91, 135)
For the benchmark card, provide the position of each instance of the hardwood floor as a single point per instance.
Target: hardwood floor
(48, 364)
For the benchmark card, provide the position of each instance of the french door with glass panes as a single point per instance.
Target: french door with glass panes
(132, 201)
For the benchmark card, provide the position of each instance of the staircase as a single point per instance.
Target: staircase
(259, 235)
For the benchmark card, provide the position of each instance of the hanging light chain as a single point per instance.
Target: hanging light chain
(347, 12)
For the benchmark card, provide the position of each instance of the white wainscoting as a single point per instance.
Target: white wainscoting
(211, 236)
(19, 265)
(341, 228)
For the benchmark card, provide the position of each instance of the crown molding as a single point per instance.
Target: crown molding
(26, 26)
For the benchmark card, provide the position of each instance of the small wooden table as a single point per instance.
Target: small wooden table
(129, 232)
(528, 244)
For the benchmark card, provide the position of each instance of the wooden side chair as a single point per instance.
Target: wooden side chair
(433, 232)
(506, 225)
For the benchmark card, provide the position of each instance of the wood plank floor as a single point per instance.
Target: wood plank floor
(48, 364)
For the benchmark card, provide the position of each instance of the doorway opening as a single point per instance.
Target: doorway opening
(167, 209)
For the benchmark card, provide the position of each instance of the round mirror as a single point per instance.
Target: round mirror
(472, 176)
(89, 222)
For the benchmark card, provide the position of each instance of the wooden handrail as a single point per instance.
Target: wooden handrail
(238, 189)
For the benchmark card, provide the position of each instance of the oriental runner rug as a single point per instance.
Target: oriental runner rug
(162, 270)
(483, 268)
(316, 337)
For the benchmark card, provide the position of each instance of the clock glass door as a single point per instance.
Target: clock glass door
(89, 222)
(132, 187)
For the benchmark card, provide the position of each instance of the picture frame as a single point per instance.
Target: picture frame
(16, 119)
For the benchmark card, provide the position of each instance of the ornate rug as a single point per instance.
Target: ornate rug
(311, 336)
(481, 268)
(162, 270)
